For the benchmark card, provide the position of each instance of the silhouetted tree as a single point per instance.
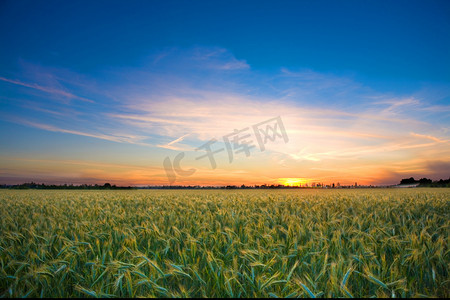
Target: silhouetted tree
(425, 181)
(410, 180)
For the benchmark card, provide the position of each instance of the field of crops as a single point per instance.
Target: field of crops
(220, 243)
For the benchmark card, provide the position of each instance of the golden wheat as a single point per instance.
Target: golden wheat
(219, 243)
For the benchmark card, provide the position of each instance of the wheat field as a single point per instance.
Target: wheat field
(221, 243)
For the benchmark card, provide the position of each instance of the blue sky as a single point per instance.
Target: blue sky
(379, 39)
(95, 91)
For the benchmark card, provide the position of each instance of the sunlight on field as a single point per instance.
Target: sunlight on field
(219, 243)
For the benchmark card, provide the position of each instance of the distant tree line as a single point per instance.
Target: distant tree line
(243, 186)
(108, 186)
(425, 182)
(32, 185)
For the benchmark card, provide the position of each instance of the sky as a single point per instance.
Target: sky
(279, 92)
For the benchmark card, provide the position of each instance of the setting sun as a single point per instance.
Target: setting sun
(293, 181)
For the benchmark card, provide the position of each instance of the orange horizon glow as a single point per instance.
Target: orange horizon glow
(88, 172)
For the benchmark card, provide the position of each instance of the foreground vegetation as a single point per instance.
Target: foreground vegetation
(247, 243)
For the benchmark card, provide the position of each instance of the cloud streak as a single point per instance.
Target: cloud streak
(171, 144)
(48, 90)
(113, 138)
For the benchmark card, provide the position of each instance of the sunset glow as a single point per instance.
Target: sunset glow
(294, 181)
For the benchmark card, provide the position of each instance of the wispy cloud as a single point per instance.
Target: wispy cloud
(113, 138)
(219, 58)
(171, 145)
(430, 137)
(46, 89)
